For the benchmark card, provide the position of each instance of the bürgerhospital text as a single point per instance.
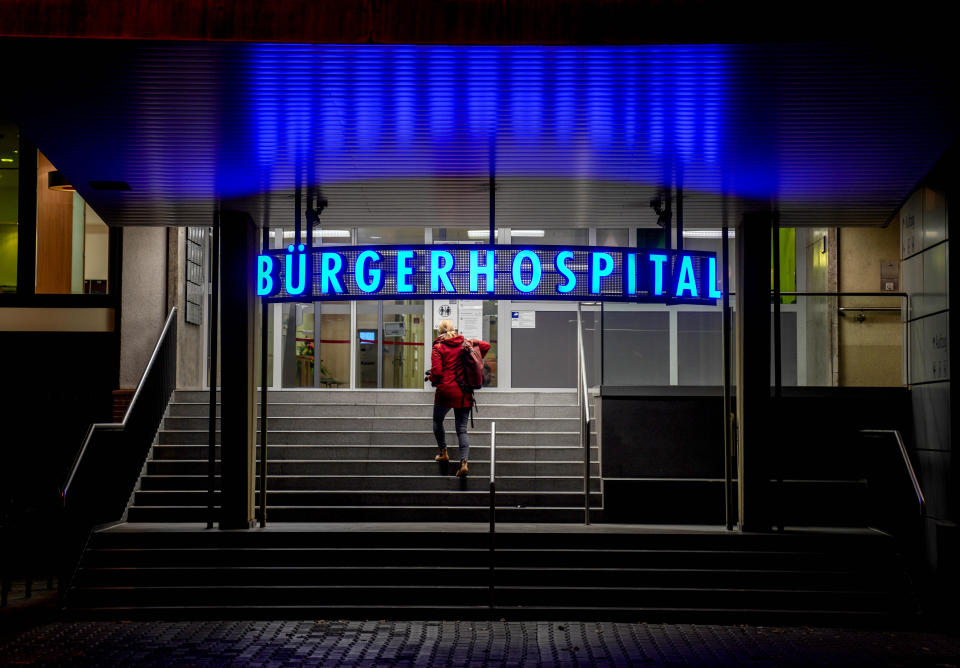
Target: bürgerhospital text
(594, 273)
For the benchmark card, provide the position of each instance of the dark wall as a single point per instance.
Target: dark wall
(442, 21)
(662, 453)
(54, 386)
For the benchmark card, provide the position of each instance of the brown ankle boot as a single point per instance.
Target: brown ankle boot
(463, 468)
(443, 456)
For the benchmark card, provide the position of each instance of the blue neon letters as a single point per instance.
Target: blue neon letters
(488, 271)
(300, 273)
(601, 264)
(404, 270)
(264, 277)
(368, 279)
(658, 260)
(535, 271)
(441, 264)
(562, 258)
(686, 280)
(712, 292)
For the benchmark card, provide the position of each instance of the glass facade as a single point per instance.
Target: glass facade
(386, 344)
(9, 222)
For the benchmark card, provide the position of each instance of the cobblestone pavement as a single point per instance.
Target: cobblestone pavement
(342, 643)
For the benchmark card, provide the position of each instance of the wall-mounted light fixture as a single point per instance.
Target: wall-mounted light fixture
(57, 181)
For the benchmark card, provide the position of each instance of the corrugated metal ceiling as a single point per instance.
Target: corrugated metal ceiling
(408, 135)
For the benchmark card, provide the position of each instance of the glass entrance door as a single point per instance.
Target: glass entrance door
(390, 348)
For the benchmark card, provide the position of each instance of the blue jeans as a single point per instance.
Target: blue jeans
(460, 416)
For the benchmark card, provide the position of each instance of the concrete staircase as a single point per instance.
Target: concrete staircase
(364, 456)
(442, 571)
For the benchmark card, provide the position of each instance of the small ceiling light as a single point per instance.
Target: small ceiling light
(6, 159)
(706, 234)
(57, 181)
(339, 234)
(526, 233)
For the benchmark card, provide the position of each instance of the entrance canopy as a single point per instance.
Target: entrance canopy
(153, 133)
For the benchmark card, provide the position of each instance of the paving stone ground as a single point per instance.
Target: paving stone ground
(371, 643)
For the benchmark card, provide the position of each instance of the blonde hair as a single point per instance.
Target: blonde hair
(446, 329)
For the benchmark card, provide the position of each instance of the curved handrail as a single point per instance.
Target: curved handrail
(918, 492)
(115, 426)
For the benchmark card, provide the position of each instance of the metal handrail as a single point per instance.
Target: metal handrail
(918, 492)
(493, 505)
(584, 404)
(843, 309)
(115, 426)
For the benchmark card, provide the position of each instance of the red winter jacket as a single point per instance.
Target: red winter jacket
(446, 365)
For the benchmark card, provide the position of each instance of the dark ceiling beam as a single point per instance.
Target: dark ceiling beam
(546, 22)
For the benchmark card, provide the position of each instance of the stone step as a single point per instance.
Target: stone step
(199, 513)
(487, 410)
(387, 396)
(409, 437)
(428, 483)
(427, 572)
(277, 424)
(417, 453)
(474, 492)
(377, 467)
(475, 592)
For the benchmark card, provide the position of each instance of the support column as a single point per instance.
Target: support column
(238, 243)
(753, 370)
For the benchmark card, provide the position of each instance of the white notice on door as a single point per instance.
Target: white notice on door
(471, 318)
(523, 319)
(444, 309)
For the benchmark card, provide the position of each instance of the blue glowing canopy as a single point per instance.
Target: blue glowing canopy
(398, 134)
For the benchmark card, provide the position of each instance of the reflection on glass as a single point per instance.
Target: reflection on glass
(9, 180)
(327, 331)
(461, 235)
(367, 329)
(550, 237)
(384, 236)
(613, 236)
(402, 364)
(72, 241)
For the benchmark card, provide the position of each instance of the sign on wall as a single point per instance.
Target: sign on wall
(193, 270)
(572, 273)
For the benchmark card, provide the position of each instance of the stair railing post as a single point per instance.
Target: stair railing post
(493, 508)
(725, 363)
(214, 335)
(264, 323)
(584, 414)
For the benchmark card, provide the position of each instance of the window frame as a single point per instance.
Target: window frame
(26, 294)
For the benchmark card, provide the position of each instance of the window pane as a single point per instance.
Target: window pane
(550, 237)
(9, 237)
(637, 347)
(545, 355)
(96, 252)
(613, 236)
(389, 235)
(65, 226)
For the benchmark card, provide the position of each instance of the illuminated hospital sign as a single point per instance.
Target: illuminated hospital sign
(574, 273)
